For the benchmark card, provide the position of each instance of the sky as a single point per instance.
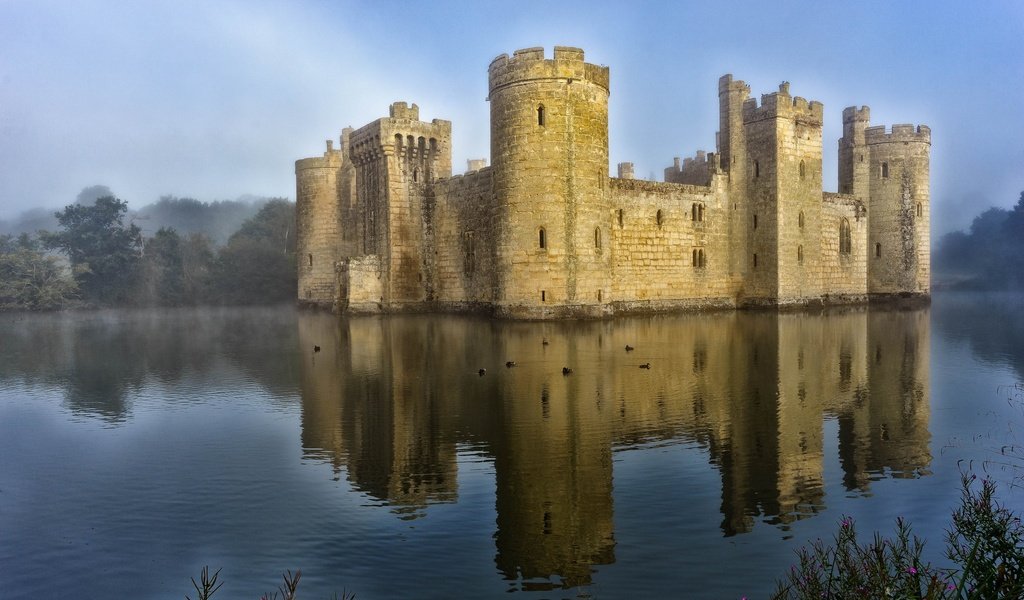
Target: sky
(215, 100)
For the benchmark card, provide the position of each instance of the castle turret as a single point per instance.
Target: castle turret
(853, 159)
(783, 155)
(549, 154)
(732, 152)
(318, 216)
(898, 210)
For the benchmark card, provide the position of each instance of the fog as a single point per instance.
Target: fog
(214, 101)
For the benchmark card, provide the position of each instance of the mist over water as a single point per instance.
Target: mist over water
(140, 445)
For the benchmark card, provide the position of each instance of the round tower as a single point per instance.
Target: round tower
(898, 210)
(317, 224)
(549, 154)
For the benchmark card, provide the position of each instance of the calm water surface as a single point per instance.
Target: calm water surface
(138, 446)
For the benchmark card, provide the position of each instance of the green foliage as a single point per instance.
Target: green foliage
(985, 543)
(991, 254)
(215, 220)
(197, 264)
(104, 252)
(258, 263)
(162, 273)
(988, 541)
(113, 266)
(884, 568)
(31, 280)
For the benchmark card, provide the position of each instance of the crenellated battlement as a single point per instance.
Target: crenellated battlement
(898, 133)
(529, 64)
(695, 170)
(332, 158)
(853, 114)
(781, 104)
(401, 110)
(727, 84)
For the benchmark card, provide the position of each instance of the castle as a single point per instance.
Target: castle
(545, 231)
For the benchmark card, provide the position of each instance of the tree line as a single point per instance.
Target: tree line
(989, 255)
(97, 257)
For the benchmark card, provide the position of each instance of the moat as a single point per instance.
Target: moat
(140, 445)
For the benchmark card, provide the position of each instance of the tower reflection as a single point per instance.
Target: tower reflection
(389, 400)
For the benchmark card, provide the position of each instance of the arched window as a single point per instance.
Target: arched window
(540, 115)
(878, 250)
(800, 220)
(800, 254)
(700, 256)
(700, 212)
(803, 169)
(845, 240)
(311, 260)
(885, 169)
(540, 239)
(693, 211)
(694, 260)
(658, 218)
(597, 238)
(920, 210)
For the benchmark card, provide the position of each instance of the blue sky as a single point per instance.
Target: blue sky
(217, 99)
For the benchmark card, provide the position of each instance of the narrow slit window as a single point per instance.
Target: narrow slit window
(695, 262)
(920, 210)
(885, 170)
(845, 237)
(803, 170)
(700, 213)
(755, 221)
(311, 260)
(800, 220)
(658, 218)
(693, 211)
(700, 257)
(878, 250)
(540, 115)
(415, 174)
(757, 169)
(755, 260)
(800, 254)
(620, 218)
(543, 296)
(597, 238)
(541, 239)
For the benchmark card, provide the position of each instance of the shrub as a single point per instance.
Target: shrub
(985, 543)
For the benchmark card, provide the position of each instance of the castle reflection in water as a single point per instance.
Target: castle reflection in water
(390, 401)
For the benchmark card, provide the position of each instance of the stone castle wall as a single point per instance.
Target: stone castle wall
(545, 232)
(669, 244)
(465, 228)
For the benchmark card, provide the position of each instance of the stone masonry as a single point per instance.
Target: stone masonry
(545, 232)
